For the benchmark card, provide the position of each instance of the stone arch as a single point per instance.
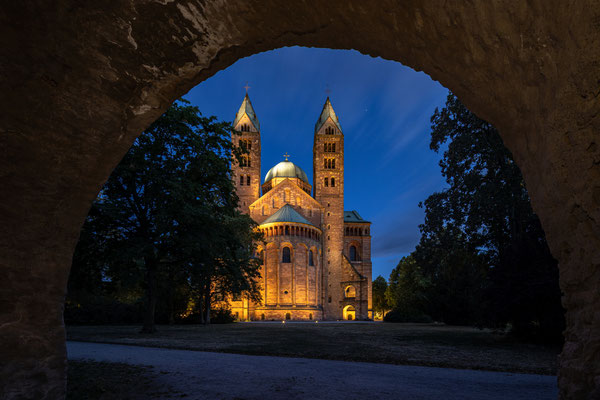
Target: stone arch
(350, 291)
(144, 62)
(349, 312)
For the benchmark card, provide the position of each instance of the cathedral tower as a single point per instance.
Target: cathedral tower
(328, 181)
(246, 174)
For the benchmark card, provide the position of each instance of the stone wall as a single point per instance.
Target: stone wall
(332, 201)
(288, 287)
(247, 191)
(81, 82)
(275, 198)
(358, 235)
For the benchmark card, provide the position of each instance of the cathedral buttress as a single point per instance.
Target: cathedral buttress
(246, 173)
(328, 184)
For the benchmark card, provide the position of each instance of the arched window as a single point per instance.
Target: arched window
(287, 230)
(333, 147)
(261, 257)
(353, 255)
(245, 161)
(264, 210)
(286, 255)
(262, 317)
(310, 316)
(248, 180)
(311, 261)
(288, 316)
(350, 291)
(241, 180)
(326, 182)
(332, 182)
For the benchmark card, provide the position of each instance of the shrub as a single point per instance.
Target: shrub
(398, 315)
(221, 316)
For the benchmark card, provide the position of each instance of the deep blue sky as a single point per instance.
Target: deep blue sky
(384, 110)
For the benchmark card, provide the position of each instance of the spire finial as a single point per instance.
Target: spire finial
(247, 87)
(286, 155)
(327, 90)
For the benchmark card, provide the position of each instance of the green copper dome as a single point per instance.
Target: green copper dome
(286, 169)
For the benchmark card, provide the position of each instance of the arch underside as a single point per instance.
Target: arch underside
(80, 83)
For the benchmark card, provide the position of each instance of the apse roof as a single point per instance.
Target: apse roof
(246, 108)
(286, 214)
(353, 216)
(327, 113)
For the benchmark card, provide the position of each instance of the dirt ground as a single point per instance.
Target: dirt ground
(408, 344)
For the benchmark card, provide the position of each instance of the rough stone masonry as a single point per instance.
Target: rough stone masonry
(80, 80)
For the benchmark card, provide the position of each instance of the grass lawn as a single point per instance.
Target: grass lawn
(412, 344)
(90, 380)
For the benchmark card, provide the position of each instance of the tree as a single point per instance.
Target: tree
(481, 232)
(380, 305)
(406, 292)
(168, 213)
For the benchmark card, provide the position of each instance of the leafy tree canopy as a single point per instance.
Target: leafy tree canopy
(168, 215)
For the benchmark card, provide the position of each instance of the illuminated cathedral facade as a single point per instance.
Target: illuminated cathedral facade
(316, 261)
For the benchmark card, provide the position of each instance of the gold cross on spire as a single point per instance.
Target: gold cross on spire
(247, 87)
(286, 155)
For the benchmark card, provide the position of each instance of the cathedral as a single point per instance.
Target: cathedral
(316, 262)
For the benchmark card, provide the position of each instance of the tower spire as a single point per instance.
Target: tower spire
(247, 109)
(327, 113)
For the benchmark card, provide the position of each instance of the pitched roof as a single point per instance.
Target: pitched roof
(286, 214)
(353, 216)
(327, 113)
(247, 109)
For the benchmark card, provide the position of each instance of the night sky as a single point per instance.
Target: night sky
(384, 110)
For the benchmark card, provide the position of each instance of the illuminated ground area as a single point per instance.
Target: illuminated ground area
(203, 375)
(409, 344)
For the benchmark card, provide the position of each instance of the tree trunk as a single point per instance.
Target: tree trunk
(151, 289)
(201, 305)
(207, 302)
(171, 298)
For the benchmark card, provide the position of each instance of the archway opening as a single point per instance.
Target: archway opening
(536, 104)
(349, 313)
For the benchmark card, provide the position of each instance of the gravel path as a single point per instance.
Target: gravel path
(203, 375)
